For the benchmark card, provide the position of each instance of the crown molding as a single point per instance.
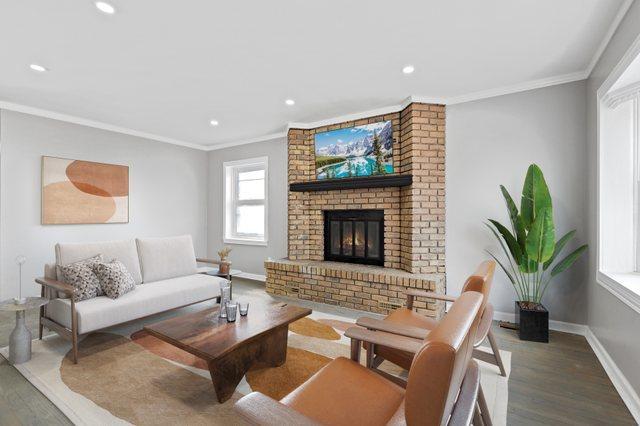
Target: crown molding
(629, 56)
(10, 106)
(246, 141)
(516, 88)
(622, 11)
(616, 97)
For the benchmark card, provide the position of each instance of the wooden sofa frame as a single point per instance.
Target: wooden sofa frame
(51, 285)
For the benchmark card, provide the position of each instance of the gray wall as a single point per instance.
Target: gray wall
(615, 324)
(168, 191)
(492, 142)
(245, 257)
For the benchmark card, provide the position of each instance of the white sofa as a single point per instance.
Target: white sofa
(165, 271)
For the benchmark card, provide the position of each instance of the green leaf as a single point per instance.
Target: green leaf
(517, 224)
(503, 268)
(568, 261)
(541, 237)
(528, 266)
(559, 246)
(535, 196)
(511, 241)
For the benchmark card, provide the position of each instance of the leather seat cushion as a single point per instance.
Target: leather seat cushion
(346, 393)
(404, 316)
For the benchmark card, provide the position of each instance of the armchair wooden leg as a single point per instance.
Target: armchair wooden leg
(496, 353)
(377, 360)
(484, 409)
(370, 355)
(477, 418)
(355, 350)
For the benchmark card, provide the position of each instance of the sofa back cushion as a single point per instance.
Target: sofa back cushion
(164, 258)
(124, 250)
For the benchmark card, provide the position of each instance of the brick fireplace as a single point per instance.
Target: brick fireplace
(412, 203)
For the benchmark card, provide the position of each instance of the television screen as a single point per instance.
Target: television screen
(365, 150)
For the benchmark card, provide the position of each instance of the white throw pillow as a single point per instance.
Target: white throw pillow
(164, 258)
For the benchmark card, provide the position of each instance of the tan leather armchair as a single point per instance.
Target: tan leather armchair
(405, 321)
(441, 389)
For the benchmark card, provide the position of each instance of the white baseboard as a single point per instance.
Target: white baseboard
(250, 276)
(620, 382)
(565, 327)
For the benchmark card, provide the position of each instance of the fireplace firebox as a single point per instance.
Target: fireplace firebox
(354, 236)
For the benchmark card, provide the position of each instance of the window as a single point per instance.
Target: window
(619, 186)
(245, 207)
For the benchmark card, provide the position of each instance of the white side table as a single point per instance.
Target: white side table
(20, 339)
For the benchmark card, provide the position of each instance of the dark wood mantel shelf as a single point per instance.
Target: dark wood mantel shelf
(384, 181)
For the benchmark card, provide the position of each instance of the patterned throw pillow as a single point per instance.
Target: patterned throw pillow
(114, 278)
(80, 275)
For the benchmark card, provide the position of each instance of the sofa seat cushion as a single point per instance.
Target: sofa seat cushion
(345, 393)
(125, 251)
(164, 258)
(147, 299)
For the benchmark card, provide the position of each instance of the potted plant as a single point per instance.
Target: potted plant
(532, 252)
(225, 265)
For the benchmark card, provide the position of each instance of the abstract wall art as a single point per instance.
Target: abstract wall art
(83, 192)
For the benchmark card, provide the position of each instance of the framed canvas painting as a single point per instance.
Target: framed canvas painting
(357, 151)
(83, 192)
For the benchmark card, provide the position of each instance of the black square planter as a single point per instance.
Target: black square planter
(533, 324)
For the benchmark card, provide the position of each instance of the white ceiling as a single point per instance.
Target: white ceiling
(166, 68)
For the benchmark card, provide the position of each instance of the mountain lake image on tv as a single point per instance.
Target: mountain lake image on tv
(365, 150)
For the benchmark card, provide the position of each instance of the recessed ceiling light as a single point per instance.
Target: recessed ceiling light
(290, 102)
(214, 122)
(105, 7)
(408, 69)
(38, 68)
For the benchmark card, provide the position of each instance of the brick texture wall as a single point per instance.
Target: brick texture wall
(414, 215)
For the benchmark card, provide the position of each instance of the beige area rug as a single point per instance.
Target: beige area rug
(125, 376)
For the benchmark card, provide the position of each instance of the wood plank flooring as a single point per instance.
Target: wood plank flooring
(559, 383)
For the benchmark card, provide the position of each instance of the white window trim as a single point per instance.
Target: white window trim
(228, 204)
(624, 286)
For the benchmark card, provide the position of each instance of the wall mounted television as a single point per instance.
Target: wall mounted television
(357, 151)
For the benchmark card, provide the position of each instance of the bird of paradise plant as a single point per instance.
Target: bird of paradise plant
(530, 245)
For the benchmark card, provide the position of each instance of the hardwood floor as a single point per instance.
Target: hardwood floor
(20, 402)
(559, 383)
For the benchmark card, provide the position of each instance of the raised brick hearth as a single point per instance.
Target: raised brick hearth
(413, 221)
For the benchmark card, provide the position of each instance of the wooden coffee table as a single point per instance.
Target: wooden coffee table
(231, 349)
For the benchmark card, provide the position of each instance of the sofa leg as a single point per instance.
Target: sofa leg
(74, 332)
(75, 349)
(496, 353)
(40, 326)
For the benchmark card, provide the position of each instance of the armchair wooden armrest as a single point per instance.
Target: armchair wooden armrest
(259, 409)
(412, 294)
(65, 288)
(392, 327)
(394, 341)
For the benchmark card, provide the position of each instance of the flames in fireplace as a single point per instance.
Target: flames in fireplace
(354, 236)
